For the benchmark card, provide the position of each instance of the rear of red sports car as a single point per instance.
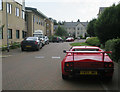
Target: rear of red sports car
(87, 62)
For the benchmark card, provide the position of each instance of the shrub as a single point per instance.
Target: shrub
(50, 38)
(93, 41)
(107, 26)
(15, 45)
(114, 46)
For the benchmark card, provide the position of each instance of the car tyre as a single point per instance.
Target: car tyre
(65, 77)
(22, 49)
(37, 48)
(107, 79)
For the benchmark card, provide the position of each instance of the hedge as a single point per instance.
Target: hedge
(94, 41)
(114, 46)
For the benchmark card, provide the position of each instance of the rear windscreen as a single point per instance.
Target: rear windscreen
(32, 38)
(85, 49)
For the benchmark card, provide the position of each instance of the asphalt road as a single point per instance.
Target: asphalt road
(41, 70)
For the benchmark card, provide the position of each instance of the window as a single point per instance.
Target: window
(0, 4)
(39, 21)
(9, 8)
(23, 15)
(17, 11)
(23, 34)
(78, 28)
(47, 25)
(1, 33)
(81, 28)
(9, 33)
(33, 18)
(17, 34)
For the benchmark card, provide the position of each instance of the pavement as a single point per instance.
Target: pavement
(41, 70)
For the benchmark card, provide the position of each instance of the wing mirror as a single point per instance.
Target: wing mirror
(64, 51)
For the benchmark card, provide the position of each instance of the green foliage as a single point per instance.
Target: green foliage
(91, 28)
(15, 45)
(12, 46)
(61, 31)
(107, 25)
(114, 46)
(94, 41)
(50, 38)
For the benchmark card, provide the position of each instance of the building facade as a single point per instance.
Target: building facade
(36, 20)
(75, 28)
(49, 27)
(101, 10)
(13, 20)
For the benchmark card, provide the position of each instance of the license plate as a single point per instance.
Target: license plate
(88, 73)
(28, 46)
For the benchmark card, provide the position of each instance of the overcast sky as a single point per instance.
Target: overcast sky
(70, 10)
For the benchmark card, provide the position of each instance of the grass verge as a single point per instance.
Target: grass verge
(79, 44)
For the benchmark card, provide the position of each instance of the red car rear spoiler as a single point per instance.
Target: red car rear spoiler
(103, 52)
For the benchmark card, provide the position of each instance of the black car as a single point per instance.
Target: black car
(57, 39)
(31, 43)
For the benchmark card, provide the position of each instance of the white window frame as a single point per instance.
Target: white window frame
(9, 8)
(0, 4)
(23, 14)
(17, 12)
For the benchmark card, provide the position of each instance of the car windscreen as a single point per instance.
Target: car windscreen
(85, 49)
(38, 35)
(32, 38)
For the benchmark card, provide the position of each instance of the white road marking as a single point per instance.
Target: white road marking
(4, 56)
(55, 57)
(39, 57)
(104, 87)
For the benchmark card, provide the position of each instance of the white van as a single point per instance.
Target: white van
(39, 33)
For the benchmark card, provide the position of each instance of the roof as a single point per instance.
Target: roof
(101, 9)
(36, 11)
(73, 24)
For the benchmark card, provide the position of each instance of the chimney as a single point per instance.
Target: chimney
(23, 5)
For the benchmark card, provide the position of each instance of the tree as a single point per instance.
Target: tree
(55, 22)
(61, 31)
(78, 20)
(91, 28)
(107, 25)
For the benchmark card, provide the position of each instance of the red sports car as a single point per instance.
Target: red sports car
(69, 39)
(87, 60)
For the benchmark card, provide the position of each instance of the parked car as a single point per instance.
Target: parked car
(39, 33)
(57, 39)
(87, 61)
(46, 40)
(87, 38)
(69, 39)
(42, 40)
(31, 43)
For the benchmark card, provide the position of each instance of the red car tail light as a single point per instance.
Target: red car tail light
(36, 42)
(108, 65)
(69, 66)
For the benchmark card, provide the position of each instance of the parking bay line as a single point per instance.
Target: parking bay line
(55, 57)
(39, 57)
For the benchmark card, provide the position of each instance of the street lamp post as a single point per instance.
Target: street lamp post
(7, 28)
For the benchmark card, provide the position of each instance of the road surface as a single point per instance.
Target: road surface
(41, 70)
